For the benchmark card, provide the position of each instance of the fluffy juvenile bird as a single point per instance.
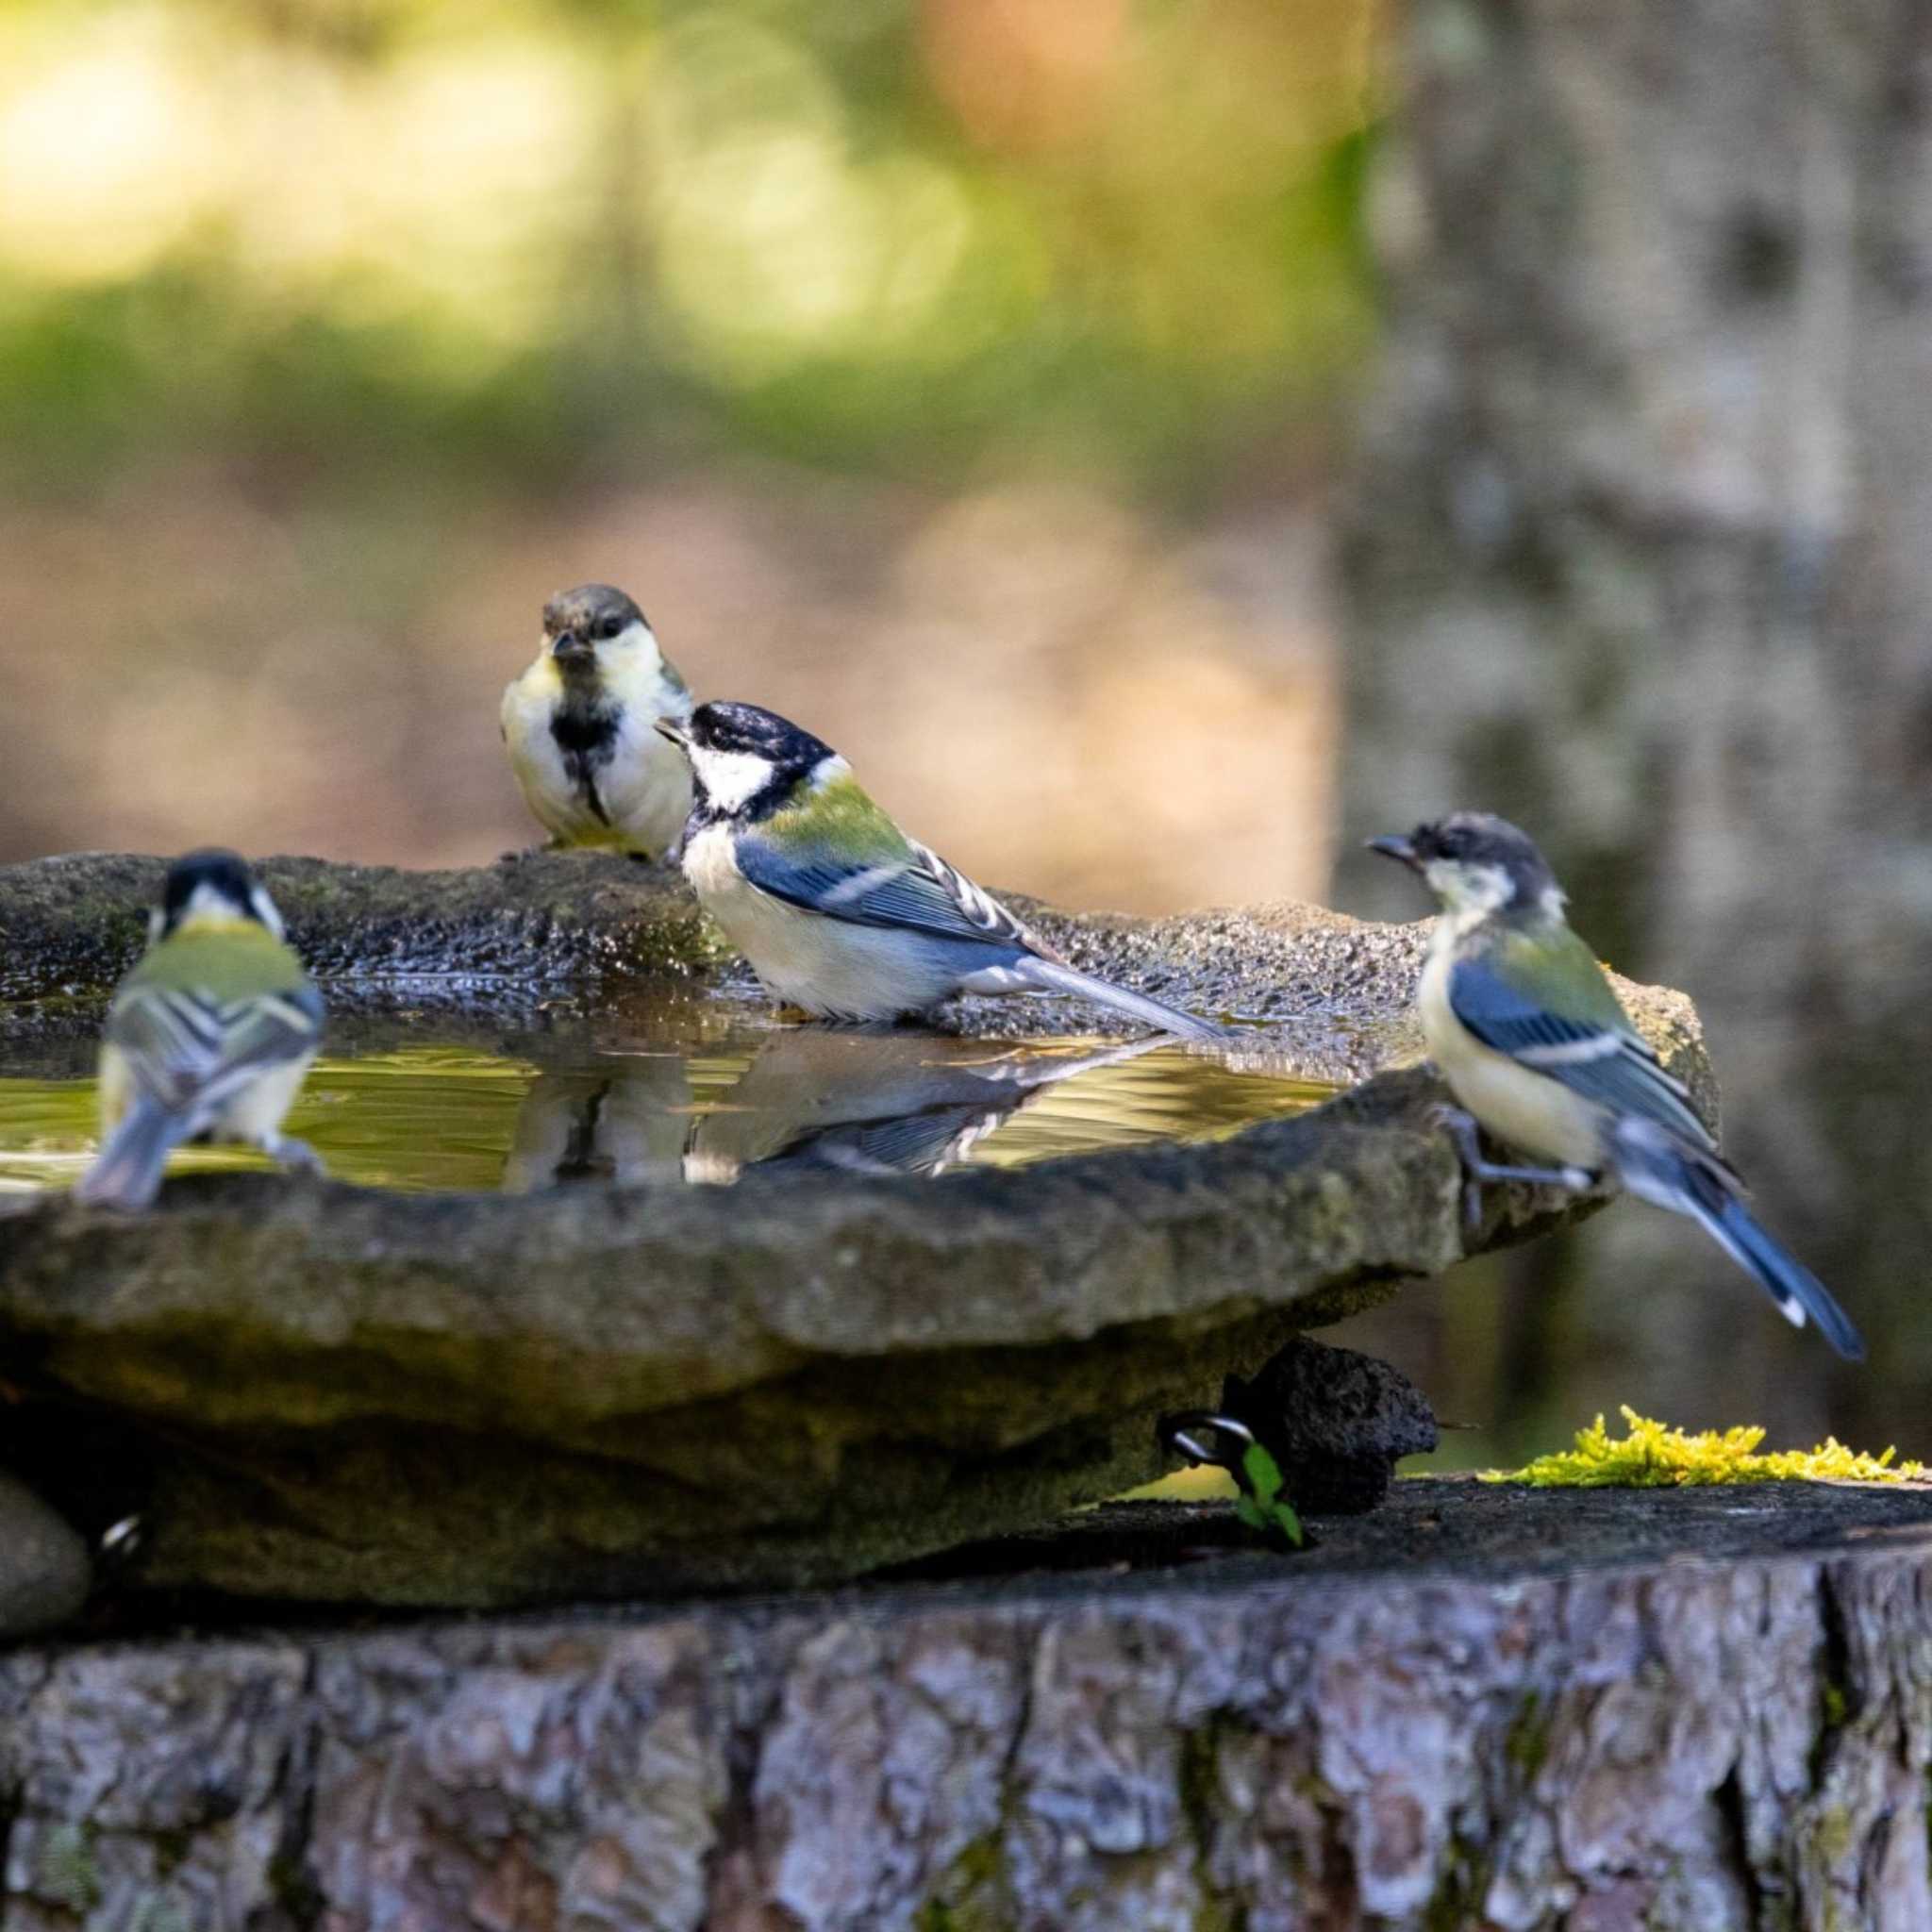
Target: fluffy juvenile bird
(578, 728)
(840, 913)
(209, 1037)
(1525, 1029)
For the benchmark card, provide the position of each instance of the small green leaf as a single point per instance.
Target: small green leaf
(1288, 1523)
(1261, 1475)
(1262, 1503)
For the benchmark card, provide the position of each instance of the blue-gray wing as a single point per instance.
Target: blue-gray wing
(1609, 1064)
(916, 892)
(915, 1143)
(187, 1048)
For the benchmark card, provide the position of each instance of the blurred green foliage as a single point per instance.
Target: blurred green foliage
(917, 234)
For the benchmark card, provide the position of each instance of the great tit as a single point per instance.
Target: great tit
(840, 913)
(1523, 1025)
(578, 725)
(209, 1037)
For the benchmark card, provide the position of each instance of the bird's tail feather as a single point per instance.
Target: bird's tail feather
(1660, 1171)
(1051, 975)
(127, 1173)
(1785, 1279)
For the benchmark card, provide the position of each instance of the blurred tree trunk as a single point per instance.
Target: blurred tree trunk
(1642, 557)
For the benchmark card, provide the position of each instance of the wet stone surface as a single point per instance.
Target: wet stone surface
(313, 1390)
(44, 1570)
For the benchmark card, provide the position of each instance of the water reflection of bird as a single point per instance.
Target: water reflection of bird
(623, 1121)
(840, 913)
(882, 1102)
(578, 728)
(1531, 1037)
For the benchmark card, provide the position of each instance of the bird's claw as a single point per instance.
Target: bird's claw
(1466, 1136)
(295, 1157)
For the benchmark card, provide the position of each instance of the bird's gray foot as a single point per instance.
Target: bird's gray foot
(292, 1155)
(1466, 1137)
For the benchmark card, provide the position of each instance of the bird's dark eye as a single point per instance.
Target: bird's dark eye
(610, 627)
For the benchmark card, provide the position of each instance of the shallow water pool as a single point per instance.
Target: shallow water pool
(690, 1094)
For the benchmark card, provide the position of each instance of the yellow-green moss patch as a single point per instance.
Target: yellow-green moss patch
(1654, 1456)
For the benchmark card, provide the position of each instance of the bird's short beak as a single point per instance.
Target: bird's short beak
(572, 649)
(671, 728)
(1401, 849)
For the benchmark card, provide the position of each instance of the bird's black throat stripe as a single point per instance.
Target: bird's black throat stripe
(585, 734)
(783, 787)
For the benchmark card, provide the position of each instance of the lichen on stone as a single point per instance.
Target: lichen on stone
(1656, 1456)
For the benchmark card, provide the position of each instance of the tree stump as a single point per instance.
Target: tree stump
(1706, 1709)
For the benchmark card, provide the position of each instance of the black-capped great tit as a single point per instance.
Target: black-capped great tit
(209, 1037)
(840, 913)
(578, 725)
(1525, 1029)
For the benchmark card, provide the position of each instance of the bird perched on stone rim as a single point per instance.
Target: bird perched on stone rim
(209, 1037)
(1523, 1024)
(840, 914)
(578, 724)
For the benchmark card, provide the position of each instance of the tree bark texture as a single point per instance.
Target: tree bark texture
(1660, 1741)
(1642, 557)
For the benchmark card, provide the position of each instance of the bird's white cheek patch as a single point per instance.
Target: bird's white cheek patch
(1470, 888)
(632, 653)
(730, 777)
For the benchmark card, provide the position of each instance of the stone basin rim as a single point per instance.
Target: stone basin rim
(739, 1280)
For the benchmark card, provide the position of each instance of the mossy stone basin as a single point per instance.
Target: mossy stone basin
(309, 1390)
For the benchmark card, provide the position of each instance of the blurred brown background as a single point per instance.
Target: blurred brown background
(1003, 389)
(957, 377)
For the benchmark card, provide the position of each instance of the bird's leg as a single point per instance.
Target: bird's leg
(292, 1155)
(1466, 1137)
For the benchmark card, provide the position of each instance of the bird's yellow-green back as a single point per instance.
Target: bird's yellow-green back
(227, 958)
(1548, 957)
(839, 817)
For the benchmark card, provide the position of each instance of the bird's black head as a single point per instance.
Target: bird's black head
(1474, 861)
(576, 622)
(745, 761)
(214, 885)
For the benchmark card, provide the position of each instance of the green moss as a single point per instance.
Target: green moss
(159, 1915)
(1456, 1903)
(1198, 1779)
(970, 1897)
(1832, 1835)
(65, 1873)
(1527, 1742)
(1654, 1456)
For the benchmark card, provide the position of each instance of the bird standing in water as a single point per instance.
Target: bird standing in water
(840, 914)
(209, 1037)
(578, 726)
(1525, 1027)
